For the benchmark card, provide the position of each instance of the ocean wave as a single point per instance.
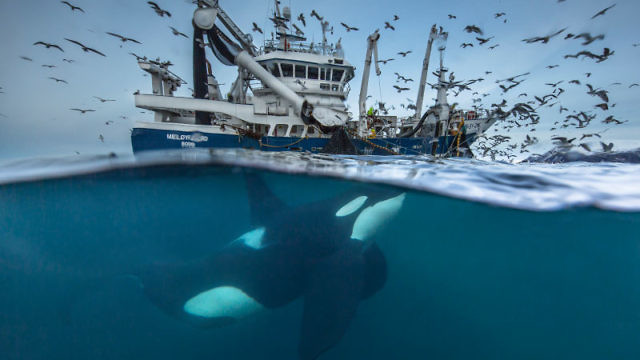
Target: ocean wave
(535, 187)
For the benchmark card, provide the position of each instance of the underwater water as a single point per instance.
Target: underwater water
(488, 261)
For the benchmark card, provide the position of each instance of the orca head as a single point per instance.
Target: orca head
(372, 218)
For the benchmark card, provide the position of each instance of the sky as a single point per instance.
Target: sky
(35, 115)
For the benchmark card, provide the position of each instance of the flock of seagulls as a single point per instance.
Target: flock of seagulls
(58, 47)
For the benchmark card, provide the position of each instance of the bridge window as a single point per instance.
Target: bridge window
(287, 70)
(337, 75)
(324, 87)
(313, 73)
(335, 87)
(301, 71)
(323, 73)
(274, 69)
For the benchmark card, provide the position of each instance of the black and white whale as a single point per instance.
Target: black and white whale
(321, 251)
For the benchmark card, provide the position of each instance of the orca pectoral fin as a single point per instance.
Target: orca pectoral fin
(333, 292)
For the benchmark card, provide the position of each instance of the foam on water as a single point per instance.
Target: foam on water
(537, 187)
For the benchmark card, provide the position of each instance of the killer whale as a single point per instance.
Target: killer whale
(321, 251)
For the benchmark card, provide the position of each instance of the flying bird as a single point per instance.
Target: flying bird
(257, 28)
(161, 12)
(139, 58)
(83, 111)
(178, 33)
(85, 48)
(465, 45)
(58, 80)
(385, 61)
(349, 28)
(473, 29)
(588, 39)
(26, 58)
(299, 31)
(543, 39)
(72, 7)
(603, 11)
(388, 26)
(315, 14)
(400, 89)
(494, 46)
(404, 53)
(102, 100)
(452, 17)
(48, 66)
(302, 19)
(68, 61)
(633, 85)
(124, 39)
(396, 18)
(48, 45)
(484, 41)
(500, 14)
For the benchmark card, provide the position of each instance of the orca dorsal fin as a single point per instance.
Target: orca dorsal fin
(264, 205)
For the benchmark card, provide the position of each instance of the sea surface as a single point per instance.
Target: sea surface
(485, 260)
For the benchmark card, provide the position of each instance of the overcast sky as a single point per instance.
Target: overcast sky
(35, 118)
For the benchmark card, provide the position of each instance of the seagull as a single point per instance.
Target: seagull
(58, 80)
(388, 26)
(257, 28)
(494, 46)
(585, 146)
(299, 31)
(139, 58)
(48, 45)
(500, 14)
(349, 28)
(633, 85)
(161, 12)
(611, 120)
(605, 147)
(396, 18)
(603, 11)
(400, 89)
(302, 19)
(543, 39)
(484, 41)
(103, 100)
(123, 38)
(101, 138)
(465, 45)
(177, 33)
(68, 61)
(588, 39)
(72, 7)
(48, 66)
(603, 106)
(473, 29)
(315, 14)
(404, 53)
(385, 61)
(84, 48)
(82, 110)
(26, 58)
(452, 17)
(552, 66)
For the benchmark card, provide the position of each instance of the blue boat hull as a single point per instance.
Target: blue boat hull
(144, 139)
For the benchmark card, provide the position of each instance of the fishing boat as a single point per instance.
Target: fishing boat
(290, 95)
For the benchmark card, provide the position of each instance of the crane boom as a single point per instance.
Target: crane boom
(372, 47)
(425, 72)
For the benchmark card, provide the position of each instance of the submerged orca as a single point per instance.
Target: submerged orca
(322, 251)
